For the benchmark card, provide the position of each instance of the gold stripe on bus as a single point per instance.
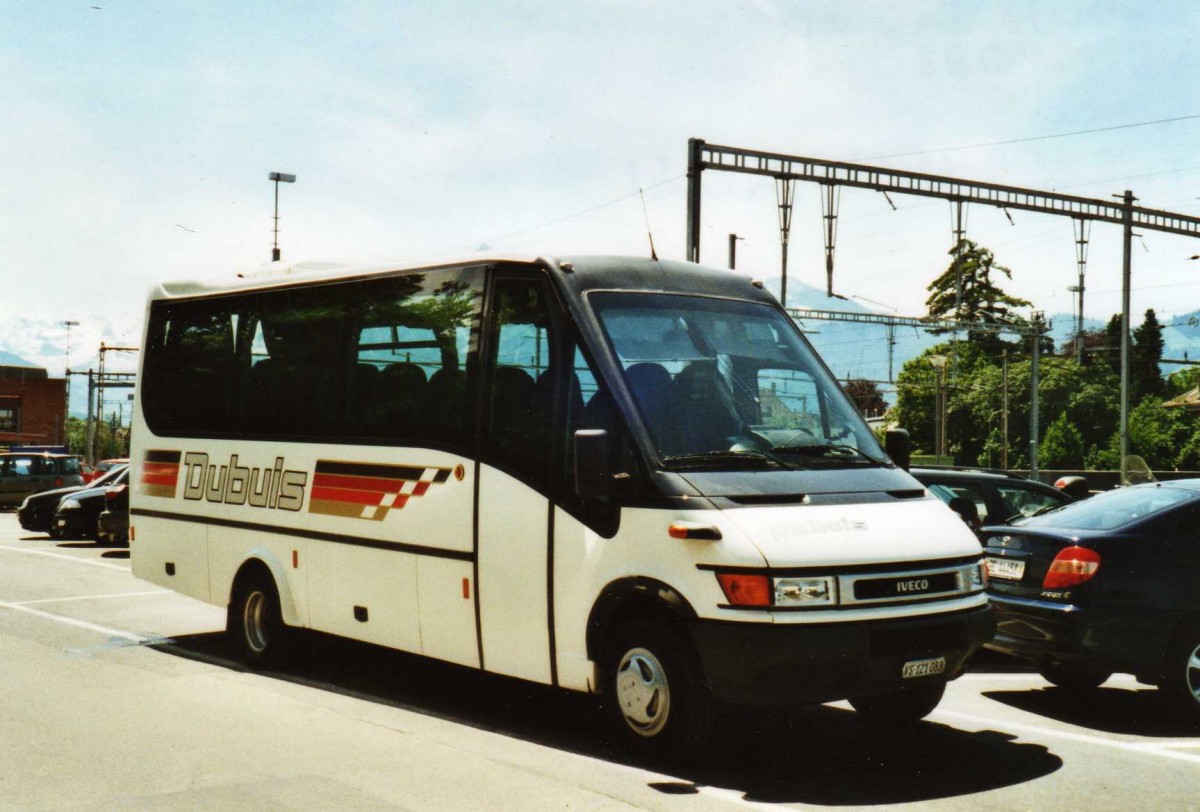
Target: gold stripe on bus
(347, 510)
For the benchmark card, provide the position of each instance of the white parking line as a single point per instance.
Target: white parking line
(1148, 748)
(94, 597)
(70, 621)
(76, 559)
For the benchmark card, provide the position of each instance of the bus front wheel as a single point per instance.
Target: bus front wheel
(256, 625)
(663, 707)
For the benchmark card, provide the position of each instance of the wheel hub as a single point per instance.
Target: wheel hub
(254, 621)
(642, 692)
(1192, 675)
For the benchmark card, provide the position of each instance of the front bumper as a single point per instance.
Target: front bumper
(35, 520)
(794, 664)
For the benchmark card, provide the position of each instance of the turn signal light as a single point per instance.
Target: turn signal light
(745, 590)
(1072, 565)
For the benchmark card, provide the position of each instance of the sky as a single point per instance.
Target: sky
(137, 139)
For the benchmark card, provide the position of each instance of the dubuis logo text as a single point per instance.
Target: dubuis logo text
(235, 484)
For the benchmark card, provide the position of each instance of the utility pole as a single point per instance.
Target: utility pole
(733, 238)
(1004, 413)
(694, 167)
(1033, 393)
(1126, 274)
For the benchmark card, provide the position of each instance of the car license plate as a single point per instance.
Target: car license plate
(1007, 568)
(923, 668)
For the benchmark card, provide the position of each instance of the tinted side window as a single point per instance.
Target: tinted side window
(521, 377)
(189, 367)
(1025, 501)
(374, 360)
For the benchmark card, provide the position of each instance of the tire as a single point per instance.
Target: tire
(899, 709)
(662, 707)
(1074, 677)
(256, 625)
(1180, 682)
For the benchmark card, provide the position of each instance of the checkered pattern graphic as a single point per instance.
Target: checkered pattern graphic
(369, 490)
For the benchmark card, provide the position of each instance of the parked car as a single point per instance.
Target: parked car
(986, 496)
(37, 511)
(1105, 585)
(23, 473)
(76, 514)
(103, 467)
(112, 525)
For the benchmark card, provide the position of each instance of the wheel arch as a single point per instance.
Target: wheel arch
(626, 599)
(263, 563)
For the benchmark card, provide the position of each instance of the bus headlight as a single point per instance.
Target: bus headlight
(809, 591)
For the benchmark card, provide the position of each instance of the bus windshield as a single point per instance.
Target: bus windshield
(719, 382)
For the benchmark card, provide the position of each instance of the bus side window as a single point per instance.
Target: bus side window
(410, 378)
(522, 378)
(192, 374)
(293, 391)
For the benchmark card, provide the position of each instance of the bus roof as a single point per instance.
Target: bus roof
(577, 273)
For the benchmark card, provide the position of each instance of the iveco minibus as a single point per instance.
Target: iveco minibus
(623, 476)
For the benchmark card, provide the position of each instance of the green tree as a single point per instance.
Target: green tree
(1145, 377)
(1063, 445)
(1156, 434)
(982, 299)
(1112, 344)
(866, 396)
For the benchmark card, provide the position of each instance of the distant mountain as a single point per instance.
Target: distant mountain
(7, 359)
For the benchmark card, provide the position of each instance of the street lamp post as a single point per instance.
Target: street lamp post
(278, 178)
(939, 411)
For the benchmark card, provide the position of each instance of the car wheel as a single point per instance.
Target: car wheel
(1180, 682)
(663, 707)
(256, 624)
(1074, 677)
(902, 708)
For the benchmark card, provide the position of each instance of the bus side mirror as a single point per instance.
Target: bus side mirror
(593, 479)
(898, 447)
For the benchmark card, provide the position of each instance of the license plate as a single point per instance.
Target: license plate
(923, 668)
(1007, 568)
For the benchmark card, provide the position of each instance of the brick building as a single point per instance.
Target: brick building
(32, 407)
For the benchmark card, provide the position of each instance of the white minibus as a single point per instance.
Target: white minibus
(623, 476)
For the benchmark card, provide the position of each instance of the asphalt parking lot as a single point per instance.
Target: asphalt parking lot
(117, 694)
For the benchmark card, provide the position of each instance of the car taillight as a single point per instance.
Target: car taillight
(1072, 565)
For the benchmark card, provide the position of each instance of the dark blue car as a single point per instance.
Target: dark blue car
(1110, 584)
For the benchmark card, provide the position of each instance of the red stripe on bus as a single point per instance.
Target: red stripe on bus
(160, 479)
(359, 483)
(344, 495)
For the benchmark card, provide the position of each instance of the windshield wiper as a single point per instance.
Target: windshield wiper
(829, 450)
(705, 457)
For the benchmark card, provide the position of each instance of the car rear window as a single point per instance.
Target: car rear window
(1114, 509)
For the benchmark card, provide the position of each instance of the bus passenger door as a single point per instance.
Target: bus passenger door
(514, 476)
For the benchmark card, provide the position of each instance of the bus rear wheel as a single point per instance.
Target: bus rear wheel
(254, 621)
(663, 708)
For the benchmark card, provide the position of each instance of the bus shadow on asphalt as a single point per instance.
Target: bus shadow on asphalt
(1136, 711)
(818, 755)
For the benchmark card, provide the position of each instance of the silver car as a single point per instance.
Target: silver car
(23, 473)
